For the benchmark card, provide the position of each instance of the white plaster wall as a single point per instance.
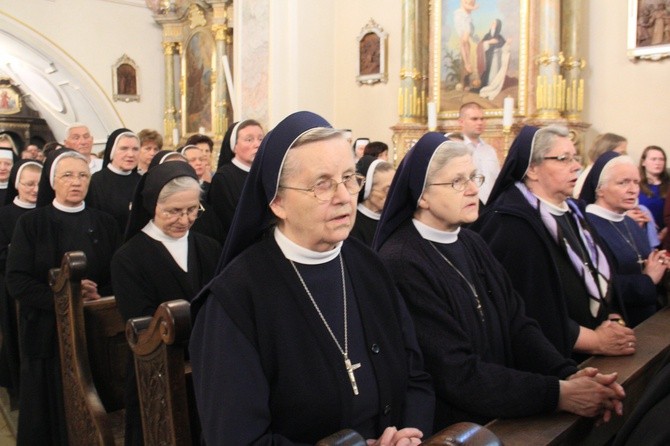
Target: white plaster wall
(631, 99)
(95, 33)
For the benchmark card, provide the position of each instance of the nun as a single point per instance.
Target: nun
(61, 223)
(378, 175)
(539, 234)
(7, 157)
(162, 258)
(21, 197)
(302, 333)
(112, 188)
(198, 160)
(244, 139)
(611, 189)
(487, 358)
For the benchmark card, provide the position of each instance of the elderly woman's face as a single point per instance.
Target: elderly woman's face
(554, 179)
(443, 207)
(381, 183)
(619, 193)
(177, 213)
(28, 185)
(312, 223)
(71, 181)
(126, 153)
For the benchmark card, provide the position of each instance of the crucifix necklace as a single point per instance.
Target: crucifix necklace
(345, 351)
(630, 242)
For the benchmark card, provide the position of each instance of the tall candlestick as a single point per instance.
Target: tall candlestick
(175, 136)
(508, 111)
(432, 116)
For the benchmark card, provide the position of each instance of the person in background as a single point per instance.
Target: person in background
(61, 223)
(6, 162)
(654, 182)
(302, 333)
(113, 187)
(611, 189)
(243, 142)
(198, 160)
(359, 147)
(162, 258)
(205, 144)
(32, 152)
(603, 143)
(487, 358)
(377, 149)
(539, 234)
(378, 175)
(79, 138)
(472, 122)
(150, 143)
(21, 197)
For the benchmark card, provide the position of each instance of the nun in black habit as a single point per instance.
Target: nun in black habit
(7, 159)
(162, 258)
(61, 223)
(302, 333)
(487, 358)
(378, 174)
(539, 234)
(21, 197)
(112, 188)
(237, 153)
(610, 190)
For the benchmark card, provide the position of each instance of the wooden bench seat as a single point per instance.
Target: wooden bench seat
(94, 356)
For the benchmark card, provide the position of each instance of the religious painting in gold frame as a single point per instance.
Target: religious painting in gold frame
(10, 100)
(479, 53)
(372, 49)
(125, 80)
(648, 29)
(197, 83)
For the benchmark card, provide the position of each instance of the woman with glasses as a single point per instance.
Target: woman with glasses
(486, 357)
(62, 222)
(551, 254)
(162, 258)
(378, 175)
(611, 190)
(21, 197)
(302, 333)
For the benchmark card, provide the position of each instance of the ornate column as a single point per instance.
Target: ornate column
(550, 86)
(170, 114)
(411, 96)
(221, 31)
(573, 64)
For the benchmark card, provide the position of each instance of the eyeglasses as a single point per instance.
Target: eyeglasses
(566, 159)
(29, 185)
(70, 177)
(193, 212)
(459, 184)
(324, 190)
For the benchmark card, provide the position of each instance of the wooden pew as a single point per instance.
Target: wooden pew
(93, 355)
(634, 372)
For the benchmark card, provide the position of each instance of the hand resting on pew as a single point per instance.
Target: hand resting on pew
(391, 436)
(590, 393)
(89, 290)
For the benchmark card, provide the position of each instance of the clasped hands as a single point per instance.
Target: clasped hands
(590, 393)
(89, 290)
(391, 436)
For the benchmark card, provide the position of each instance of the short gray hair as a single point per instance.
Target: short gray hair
(75, 125)
(176, 185)
(544, 141)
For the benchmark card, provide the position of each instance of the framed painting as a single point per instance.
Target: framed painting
(125, 80)
(10, 101)
(197, 80)
(479, 54)
(372, 64)
(648, 29)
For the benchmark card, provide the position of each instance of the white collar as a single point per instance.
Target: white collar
(555, 209)
(69, 209)
(368, 212)
(601, 212)
(177, 247)
(23, 204)
(435, 235)
(475, 142)
(293, 251)
(240, 164)
(4, 185)
(118, 171)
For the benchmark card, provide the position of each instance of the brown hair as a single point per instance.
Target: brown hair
(665, 178)
(150, 135)
(605, 143)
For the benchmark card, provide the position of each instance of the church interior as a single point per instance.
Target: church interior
(383, 69)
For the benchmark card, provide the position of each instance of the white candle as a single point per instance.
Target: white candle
(432, 116)
(201, 130)
(175, 136)
(508, 111)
